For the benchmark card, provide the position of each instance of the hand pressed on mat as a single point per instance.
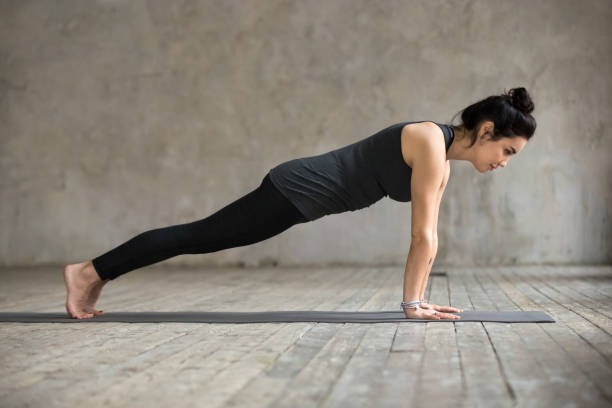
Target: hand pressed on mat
(433, 306)
(430, 314)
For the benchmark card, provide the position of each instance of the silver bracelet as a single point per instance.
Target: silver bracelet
(410, 305)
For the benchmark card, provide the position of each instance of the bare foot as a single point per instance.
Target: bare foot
(83, 286)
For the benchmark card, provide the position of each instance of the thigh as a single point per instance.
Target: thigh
(266, 212)
(258, 215)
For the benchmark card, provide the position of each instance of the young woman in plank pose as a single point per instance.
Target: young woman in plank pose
(407, 161)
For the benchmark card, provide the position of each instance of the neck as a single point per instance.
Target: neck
(459, 150)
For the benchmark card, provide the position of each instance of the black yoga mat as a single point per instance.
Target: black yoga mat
(386, 316)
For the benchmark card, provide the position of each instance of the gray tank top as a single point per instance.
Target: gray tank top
(351, 177)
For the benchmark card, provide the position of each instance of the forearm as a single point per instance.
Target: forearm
(417, 266)
(429, 266)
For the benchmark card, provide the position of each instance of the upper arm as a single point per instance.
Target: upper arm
(428, 173)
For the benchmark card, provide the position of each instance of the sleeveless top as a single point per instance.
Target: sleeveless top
(351, 177)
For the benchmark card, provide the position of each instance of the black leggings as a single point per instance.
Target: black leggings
(258, 215)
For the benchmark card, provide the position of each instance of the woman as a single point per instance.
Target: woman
(407, 161)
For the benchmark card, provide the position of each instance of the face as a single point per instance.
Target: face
(491, 155)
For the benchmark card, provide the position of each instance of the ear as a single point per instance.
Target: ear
(485, 130)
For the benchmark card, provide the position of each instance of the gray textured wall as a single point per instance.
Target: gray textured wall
(122, 116)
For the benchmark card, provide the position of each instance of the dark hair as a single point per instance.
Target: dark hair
(510, 112)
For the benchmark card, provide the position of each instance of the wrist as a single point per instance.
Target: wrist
(413, 304)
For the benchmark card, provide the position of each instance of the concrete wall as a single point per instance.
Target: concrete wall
(121, 116)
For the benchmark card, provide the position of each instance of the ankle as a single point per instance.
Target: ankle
(91, 272)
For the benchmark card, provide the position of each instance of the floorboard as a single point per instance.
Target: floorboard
(307, 364)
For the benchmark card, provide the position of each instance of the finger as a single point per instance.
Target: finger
(449, 309)
(450, 316)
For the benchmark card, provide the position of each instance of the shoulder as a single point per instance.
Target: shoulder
(423, 139)
(424, 131)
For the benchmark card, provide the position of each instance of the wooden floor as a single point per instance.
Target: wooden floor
(439, 364)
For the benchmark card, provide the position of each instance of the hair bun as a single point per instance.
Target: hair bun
(520, 99)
